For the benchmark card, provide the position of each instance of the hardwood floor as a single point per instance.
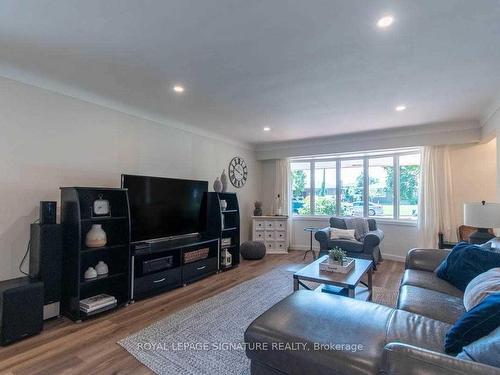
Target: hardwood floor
(90, 347)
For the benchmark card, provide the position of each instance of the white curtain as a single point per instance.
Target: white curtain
(282, 186)
(436, 211)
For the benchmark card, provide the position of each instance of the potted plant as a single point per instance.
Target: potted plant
(337, 255)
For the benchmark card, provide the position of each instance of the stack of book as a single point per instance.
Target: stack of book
(97, 304)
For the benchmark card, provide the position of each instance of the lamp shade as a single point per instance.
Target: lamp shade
(482, 215)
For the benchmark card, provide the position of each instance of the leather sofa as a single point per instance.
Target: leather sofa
(318, 333)
(366, 249)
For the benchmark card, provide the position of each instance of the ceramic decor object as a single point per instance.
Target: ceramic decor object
(101, 268)
(96, 236)
(224, 180)
(258, 209)
(217, 185)
(223, 204)
(91, 273)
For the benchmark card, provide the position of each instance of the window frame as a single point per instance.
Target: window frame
(366, 179)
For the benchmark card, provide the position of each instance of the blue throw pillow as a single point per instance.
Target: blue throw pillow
(485, 350)
(474, 324)
(465, 262)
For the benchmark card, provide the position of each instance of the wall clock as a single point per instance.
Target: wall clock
(238, 172)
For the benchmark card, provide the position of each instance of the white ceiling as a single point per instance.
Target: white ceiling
(304, 68)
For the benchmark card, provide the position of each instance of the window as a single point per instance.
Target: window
(381, 185)
(409, 174)
(325, 187)
(351, 197)
(301, 188)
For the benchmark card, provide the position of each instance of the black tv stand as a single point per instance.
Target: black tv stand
(175, 262)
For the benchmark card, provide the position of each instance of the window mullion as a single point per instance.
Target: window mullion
(396, 187)
(338, 188)
(312, 184)
(366, 184)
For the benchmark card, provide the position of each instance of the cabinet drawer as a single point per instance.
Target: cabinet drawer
(270, 245)
(280, 236)
(280, 246)
(258, 235)
(196, 270)
(270, 236)
(156, 281)
(259, 224)
(269, 224)
(280, 225)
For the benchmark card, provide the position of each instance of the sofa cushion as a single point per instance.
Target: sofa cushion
(485, 350)
(474, 324)
(417, 330)
(313, 319)
(481, 287)
(342, 234)
(465, 262)
(429, 280)
(430, 303)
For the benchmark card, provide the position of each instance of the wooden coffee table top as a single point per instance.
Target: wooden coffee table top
(312, 272)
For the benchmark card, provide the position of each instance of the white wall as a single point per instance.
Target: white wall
(474, 169)
(49, 140)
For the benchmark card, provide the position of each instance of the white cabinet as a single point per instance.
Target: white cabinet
(273, 231)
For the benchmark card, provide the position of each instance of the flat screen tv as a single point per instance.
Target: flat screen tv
(165, 207)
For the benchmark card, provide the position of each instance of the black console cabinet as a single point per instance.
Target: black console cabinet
(163, 265)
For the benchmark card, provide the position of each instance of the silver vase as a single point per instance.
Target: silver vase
(223, 180)
(217, 185)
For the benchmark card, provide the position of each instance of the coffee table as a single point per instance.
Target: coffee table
(348, 284)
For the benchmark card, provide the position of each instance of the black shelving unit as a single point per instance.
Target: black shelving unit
(77, 219)
(225, 224)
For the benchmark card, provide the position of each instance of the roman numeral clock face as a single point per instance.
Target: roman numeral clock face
(238, 172)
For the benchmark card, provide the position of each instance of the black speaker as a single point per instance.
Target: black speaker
(48, 212)
(46, 264)
(21, 309)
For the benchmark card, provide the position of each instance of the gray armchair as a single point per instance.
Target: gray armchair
(368, 248)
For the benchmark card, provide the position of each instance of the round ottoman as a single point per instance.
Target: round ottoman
(253, 250)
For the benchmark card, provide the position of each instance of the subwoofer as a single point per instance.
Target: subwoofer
(21, 309)
(46, 264)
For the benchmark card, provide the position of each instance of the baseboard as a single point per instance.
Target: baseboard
(396, 258)
(303, 247)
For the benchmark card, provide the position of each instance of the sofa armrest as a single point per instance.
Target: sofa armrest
(402, 359)
(425, 259)
(322, 236)
(372, 240)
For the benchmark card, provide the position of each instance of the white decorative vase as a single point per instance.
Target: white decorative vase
(96, 237)
(223, 204)
(91, 273)
(217, 185)
(101, 268)
(223, 179)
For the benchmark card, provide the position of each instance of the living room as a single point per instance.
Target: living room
(237, 187)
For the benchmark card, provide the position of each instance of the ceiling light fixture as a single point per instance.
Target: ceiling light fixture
(385, 21)
(400, 108)
(267, 128)
(179, 89)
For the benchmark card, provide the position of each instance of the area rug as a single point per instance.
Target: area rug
(207, 337)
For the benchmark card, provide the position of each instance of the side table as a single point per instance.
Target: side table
(311, 230)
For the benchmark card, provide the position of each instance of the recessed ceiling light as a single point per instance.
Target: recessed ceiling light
(267, 128)
(400, 108)
(385, 21)
(179, 89)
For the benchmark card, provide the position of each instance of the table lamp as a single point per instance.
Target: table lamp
(483, 216)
